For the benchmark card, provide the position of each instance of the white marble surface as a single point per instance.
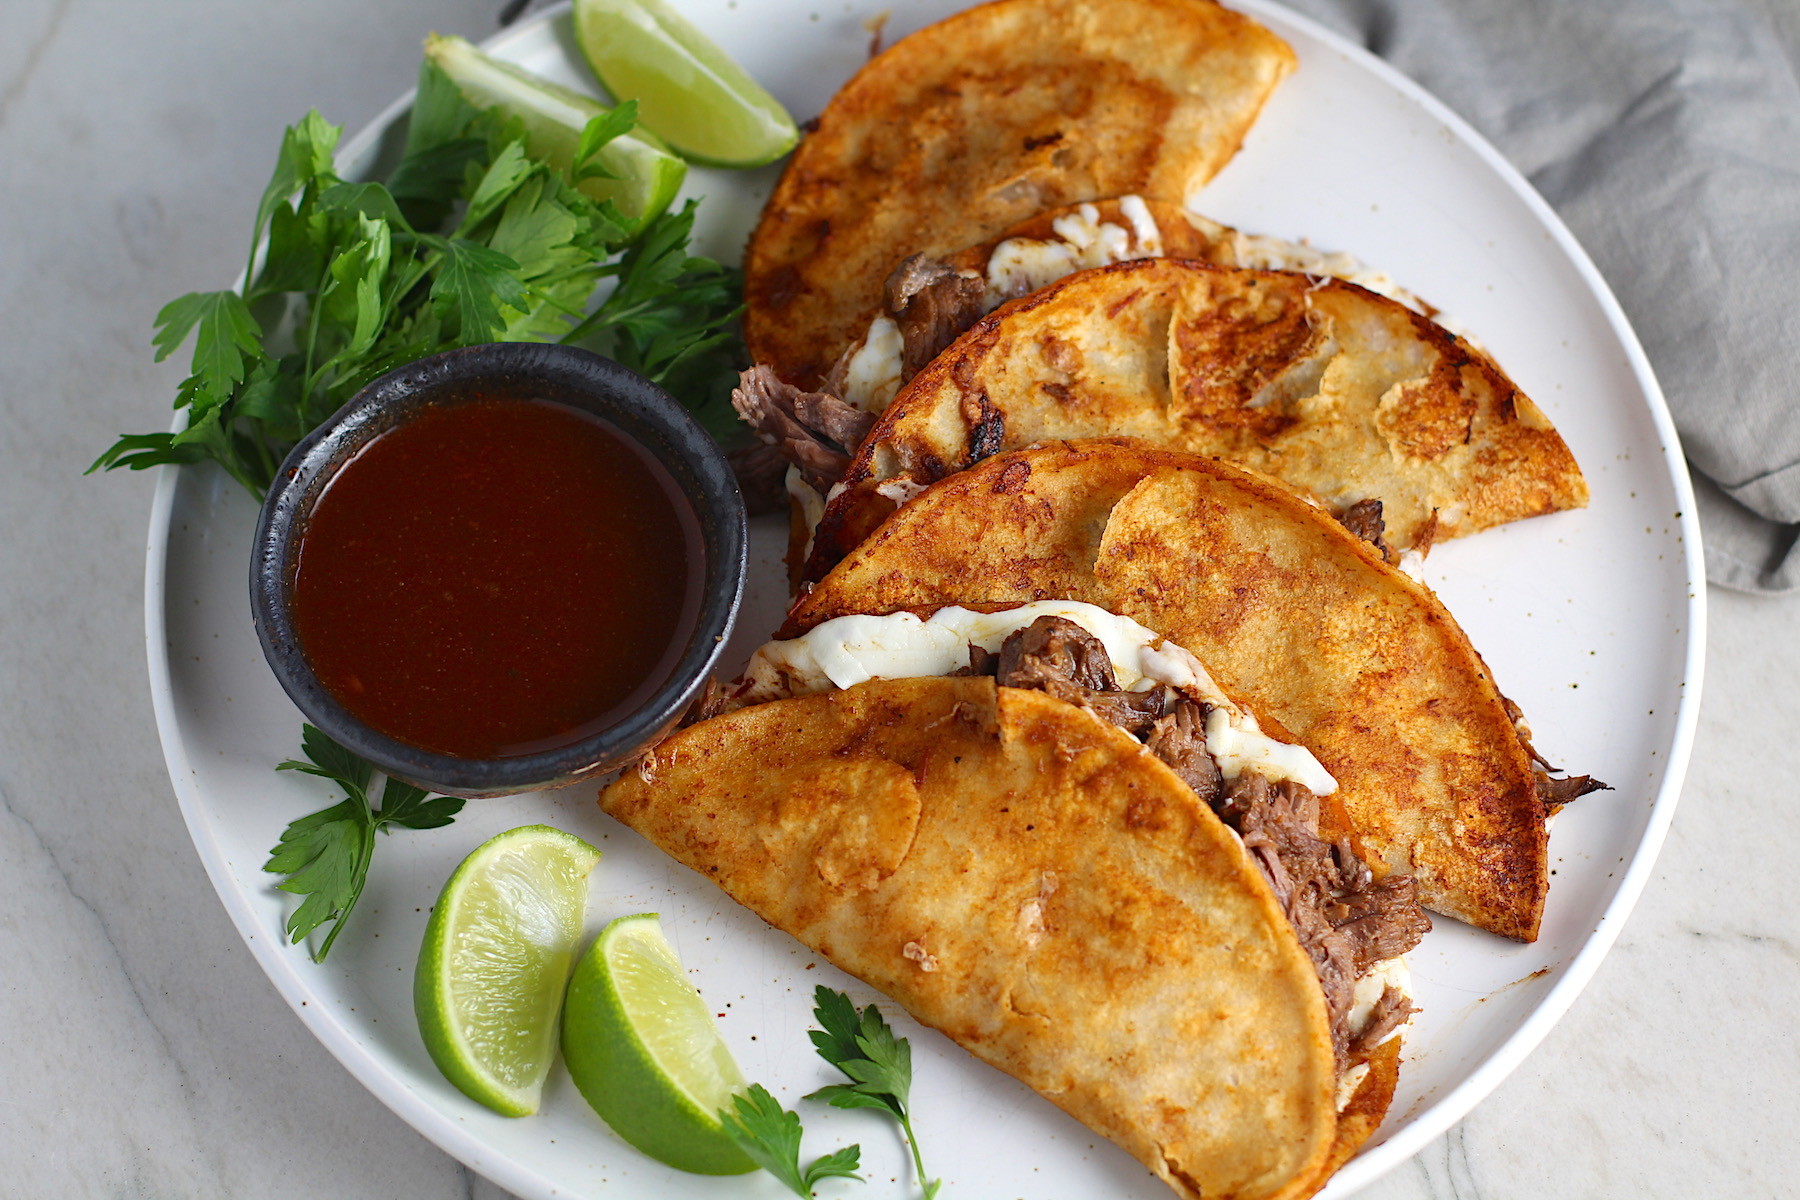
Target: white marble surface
(143, 1052)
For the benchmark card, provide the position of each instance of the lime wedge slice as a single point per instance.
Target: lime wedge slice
(688, 91)
(641, 1045)
(648, 174)
(495, 962)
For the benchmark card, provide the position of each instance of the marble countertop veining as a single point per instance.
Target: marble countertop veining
(144, 1053)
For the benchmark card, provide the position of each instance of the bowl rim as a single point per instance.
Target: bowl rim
(640, 411)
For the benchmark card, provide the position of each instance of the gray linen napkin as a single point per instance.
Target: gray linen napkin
(1666, 133)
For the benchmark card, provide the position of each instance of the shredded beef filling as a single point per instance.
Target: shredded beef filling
(933, 304)
(1052, 651)
(1364, 520)
(1556, 792)
(1346, 920)
(1061, 658)
(711, 702)
(1179, 739)
(1390, 1012)
(815, 431)
(1552, 791)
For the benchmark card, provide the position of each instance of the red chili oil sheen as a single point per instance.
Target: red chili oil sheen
(496, 577)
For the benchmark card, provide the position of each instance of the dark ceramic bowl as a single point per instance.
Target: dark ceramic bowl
(633, 405)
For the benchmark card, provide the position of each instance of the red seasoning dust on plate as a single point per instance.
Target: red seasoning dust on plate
(496, 577)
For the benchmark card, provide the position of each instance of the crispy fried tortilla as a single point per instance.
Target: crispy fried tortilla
(1295, 617)
(928, 303)
(1337, 392)
(973, 124)
(1030, 881)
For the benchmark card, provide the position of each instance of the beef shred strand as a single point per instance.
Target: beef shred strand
(933, 304)
(815, 431)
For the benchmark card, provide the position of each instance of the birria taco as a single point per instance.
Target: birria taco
(1342, 394)
(1296, 617)
(928, 303)
(979, 121)
(1045, 831)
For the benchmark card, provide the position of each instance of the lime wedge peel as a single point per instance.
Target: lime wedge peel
(642, 1047)
(689, 91)
(649, 175)
(495, 962)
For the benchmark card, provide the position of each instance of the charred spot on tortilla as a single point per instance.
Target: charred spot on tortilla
(987, 428)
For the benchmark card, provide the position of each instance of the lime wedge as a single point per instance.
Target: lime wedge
(648, 175)
(641, 1045)
(688, 91)
(496, 960)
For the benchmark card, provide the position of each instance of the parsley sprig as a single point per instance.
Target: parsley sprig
(469, 240)
(770, 1135)
(877, 1063)
(326, 855)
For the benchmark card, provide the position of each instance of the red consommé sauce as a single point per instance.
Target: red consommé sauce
(496, 577)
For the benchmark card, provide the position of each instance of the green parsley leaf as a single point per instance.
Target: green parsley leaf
(472, 284)
(306, 155)
(298, 240)
(599, 131)
(770, 1135)
(136, 451)
(416, 808)
(227, 333)
(510, 168)
(325, 855)
(876, 1061)
(440, 115)
(537, 232)
(365, 200)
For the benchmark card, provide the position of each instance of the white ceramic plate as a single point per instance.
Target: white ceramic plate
(1592, 620)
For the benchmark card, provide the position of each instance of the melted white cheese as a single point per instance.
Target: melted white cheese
(1016, 266)
(872, 376)
(1149, 237)
(899, 489)
(1022, 265)
(850, 650)
(1350, 1081)
(812, 505)
(1267, 253)
(1276, 254)
(1388, 972)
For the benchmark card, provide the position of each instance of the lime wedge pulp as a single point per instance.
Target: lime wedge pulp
(495, 963)
(641, 1045)
(648, 175)
(688, 91)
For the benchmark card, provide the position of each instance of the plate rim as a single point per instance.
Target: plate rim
(283, 968)
(1447, 1110)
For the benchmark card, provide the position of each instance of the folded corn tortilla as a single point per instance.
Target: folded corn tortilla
(1297, 619)
(1340, 393)
(1027, 879)
(976, 123)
